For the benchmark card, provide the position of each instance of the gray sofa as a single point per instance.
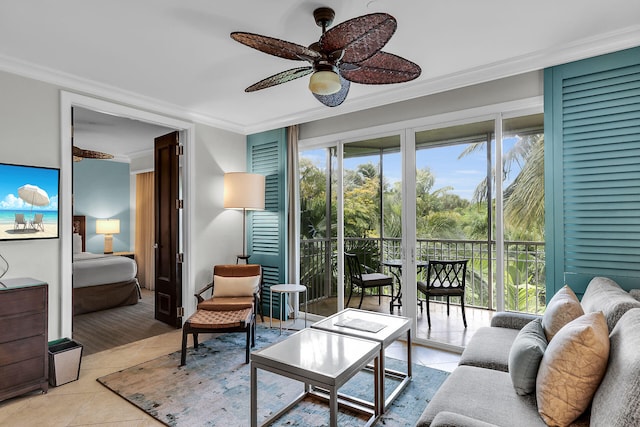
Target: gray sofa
(480, 391)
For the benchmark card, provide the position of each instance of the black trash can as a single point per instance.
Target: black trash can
(65, 356)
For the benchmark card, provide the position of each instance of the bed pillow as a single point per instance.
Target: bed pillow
(572, 368)
(561, 309)
(224, 286)
(525, 356)
(77, 243)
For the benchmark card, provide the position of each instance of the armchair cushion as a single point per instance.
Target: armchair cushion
(224, 286)
(226, 303)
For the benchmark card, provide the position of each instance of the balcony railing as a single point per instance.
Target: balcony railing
(524, 265)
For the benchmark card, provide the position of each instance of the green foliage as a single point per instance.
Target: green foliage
(440, 215)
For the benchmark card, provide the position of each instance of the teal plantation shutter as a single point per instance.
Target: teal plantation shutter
(267, 230)
(592, 171)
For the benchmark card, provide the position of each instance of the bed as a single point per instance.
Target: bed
(100, 281)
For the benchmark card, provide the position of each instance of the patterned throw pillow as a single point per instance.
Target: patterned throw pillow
(525, 356)
(561, 309)
(572, 368)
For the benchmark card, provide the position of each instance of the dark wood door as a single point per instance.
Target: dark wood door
(168, 275)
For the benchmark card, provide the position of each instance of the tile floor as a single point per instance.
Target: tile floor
(87, 403)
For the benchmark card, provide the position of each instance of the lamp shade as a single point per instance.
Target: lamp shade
(244, 191)
(324, 82)
(107, 226)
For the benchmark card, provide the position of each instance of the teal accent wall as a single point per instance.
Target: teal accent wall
(592, 171)
(267, 230)
(101, 189)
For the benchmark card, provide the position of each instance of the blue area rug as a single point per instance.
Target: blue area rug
(213, 389)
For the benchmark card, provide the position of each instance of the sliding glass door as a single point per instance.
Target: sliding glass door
(470, 190)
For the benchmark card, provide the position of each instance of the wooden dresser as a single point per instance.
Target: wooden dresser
(23, 337)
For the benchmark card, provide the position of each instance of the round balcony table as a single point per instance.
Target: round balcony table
(396, 269)
(282, 290)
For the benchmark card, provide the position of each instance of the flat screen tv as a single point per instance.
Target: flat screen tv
(28, 202)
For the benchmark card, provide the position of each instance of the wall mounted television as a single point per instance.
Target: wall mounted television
(29, 202)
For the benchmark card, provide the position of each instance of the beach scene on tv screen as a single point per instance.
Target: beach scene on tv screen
(28, 202)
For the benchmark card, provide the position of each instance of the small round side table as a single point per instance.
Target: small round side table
(282, 290)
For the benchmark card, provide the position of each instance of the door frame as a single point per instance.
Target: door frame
(187, 137)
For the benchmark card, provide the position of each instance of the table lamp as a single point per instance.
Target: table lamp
(244, 191)
(108, 227)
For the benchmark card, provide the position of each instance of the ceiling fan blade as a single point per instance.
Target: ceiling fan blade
(337, 98)
(382, 68)
(79, 154)
(283, 77)
(360, 37)
(276, 47)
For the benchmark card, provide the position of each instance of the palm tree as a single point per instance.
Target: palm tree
(524, 197)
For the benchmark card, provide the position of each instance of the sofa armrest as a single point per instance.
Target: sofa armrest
(507, 319)
(450, 419)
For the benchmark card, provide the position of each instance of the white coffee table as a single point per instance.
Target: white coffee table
(377, 327)
(294, 358)
(282, 290)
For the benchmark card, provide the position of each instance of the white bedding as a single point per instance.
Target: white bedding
(91, 269)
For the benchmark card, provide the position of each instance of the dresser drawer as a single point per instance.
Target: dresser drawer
(17, 301)
(28, 325)
(26, 348)
(23, 372)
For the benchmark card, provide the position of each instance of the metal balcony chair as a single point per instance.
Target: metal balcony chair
(366, 280)
(444, 278)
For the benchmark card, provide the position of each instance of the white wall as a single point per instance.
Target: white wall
(514, 88)
(218, 231)
(30, 123)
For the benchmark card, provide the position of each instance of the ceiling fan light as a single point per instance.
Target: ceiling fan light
(325, 82)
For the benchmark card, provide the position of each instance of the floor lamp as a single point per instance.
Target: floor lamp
(244, 191)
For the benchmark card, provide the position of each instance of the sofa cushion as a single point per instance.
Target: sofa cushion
(485, 395)
(617, 400)
(561, 309)
(451, 419)
(525, 356)
(571, 369)
(603, 294)
(489, 348)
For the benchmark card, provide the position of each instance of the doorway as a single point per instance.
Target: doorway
(119, 112)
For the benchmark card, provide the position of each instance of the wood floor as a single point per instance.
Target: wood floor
(102, 330)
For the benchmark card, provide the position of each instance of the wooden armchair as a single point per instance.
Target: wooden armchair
(236, 291)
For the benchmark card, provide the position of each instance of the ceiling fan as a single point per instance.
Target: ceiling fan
(349, 52)
(80, 153)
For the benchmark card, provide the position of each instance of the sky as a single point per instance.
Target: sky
(12, 177)
(462, 174)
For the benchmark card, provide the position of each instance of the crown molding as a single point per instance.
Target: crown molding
(585, 48)
(70, 82)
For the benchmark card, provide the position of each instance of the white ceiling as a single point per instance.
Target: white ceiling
(176, 57)
(122, 137)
